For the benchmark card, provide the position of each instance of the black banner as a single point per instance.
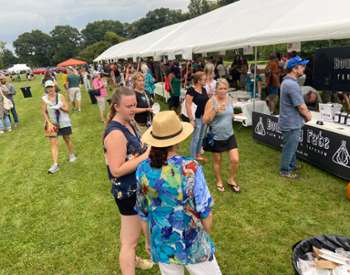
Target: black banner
(331, 69)
(324, 149)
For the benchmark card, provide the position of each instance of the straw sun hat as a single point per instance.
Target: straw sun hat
(167, 130)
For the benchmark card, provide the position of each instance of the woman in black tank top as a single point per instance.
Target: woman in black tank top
(123, 153)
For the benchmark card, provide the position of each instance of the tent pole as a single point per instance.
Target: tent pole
(255, 69)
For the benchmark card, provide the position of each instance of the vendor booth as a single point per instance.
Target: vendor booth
(324, 143)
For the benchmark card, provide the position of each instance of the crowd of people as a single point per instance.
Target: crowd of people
(158, 191)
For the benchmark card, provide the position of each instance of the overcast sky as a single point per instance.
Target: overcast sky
(18, 16)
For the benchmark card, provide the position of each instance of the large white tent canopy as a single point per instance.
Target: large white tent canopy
(244, 23)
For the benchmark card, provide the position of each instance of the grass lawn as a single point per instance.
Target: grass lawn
(68, 223)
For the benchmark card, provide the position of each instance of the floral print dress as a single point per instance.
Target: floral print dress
(173, 200)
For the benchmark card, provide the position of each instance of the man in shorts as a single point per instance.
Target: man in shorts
(73, 88)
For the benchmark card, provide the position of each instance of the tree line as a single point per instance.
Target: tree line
(40, 49)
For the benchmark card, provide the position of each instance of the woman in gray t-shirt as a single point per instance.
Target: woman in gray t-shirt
(218, 115)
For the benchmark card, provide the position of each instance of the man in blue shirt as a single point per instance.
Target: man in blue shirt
(293, 114)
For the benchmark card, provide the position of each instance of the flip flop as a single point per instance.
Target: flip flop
(234, 187)
(221, 188)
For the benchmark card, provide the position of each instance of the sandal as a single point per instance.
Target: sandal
(220, 187)
(234, 186)
(200, 158)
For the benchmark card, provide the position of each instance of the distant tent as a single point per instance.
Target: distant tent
(18, 68)
(71, 62)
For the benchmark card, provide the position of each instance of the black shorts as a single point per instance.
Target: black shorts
(221, 146)
(126, 206)
(174, 102)
(66, 131)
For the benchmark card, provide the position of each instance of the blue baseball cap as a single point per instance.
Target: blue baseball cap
(295, 61)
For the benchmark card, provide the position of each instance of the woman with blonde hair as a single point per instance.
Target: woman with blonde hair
(210, 85)
(220, 138)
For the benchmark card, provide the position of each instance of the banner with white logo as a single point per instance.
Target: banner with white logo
(326, 150)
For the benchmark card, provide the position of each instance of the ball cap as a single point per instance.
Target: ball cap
(295, 61)
(49, 83)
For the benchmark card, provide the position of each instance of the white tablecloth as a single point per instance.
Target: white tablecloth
(248, 108)
(337, 128)
(160, 91)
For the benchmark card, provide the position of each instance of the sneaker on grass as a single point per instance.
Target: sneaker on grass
(72, 158)
(53, 169)
(290, 175)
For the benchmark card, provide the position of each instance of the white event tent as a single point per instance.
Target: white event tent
(244, 23)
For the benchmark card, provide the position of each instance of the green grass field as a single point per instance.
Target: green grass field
(68, 223)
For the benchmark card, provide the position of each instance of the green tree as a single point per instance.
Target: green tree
(2, 49)
(66, 43)
(94, 50)
(226, 2)
(8, 58)
(95, 31)
(199, 7)
(154, 20)
(34, 48)
(113, 38)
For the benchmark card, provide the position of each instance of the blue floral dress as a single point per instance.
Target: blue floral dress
(173, 200)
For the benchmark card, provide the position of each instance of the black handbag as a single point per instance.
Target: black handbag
(208, 141)
(93, 94)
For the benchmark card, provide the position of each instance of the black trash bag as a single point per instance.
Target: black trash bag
(26, 92)
(326, 242)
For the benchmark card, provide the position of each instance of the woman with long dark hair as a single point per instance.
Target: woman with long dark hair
(124, 152)
(174, 202)
(197, 95)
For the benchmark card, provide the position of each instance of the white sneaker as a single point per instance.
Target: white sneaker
(53, 169)
(2, 132)
(72, 158)
(8, 130)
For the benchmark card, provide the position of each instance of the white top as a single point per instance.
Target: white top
(52, 107)
(211, 88)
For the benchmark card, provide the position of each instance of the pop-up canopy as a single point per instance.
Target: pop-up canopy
(71, 62)
(19, 68)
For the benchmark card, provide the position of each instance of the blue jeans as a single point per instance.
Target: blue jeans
(197, 137)
(290, 146)
(14, 112)
(5, 123)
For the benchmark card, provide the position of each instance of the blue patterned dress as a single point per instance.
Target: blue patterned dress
(173, 200)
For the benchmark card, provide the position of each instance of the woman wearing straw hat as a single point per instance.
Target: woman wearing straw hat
(174, 202)
(124, 152)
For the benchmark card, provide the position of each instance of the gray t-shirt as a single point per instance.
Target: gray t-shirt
(291, 98)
